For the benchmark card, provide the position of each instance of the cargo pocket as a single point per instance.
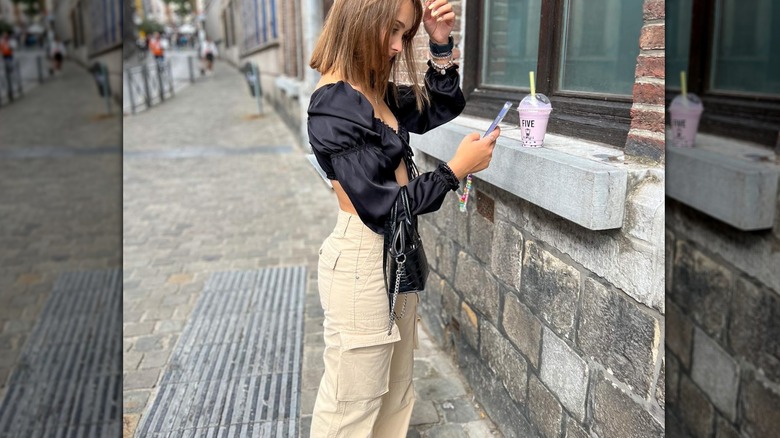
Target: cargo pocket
(328, 256)
(364, 365)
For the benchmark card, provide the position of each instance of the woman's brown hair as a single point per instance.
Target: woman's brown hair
(349, 44)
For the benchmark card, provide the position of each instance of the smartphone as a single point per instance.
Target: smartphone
(499, 118)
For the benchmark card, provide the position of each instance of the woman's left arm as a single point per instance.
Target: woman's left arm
(442, 84)
(446, 102)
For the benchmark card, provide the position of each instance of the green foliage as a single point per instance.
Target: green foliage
(31, 8)
(182, 7)
(6, 27)
(150, 26)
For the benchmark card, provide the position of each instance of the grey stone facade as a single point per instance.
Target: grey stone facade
(723, 327)
(550, 348)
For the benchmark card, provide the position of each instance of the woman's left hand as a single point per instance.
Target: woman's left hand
(438, 19)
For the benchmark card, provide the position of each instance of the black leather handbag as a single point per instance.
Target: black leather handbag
(405, 264)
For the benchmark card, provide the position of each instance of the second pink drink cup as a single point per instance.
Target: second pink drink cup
(685, 112)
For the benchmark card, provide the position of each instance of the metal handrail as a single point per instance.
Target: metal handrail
(151, 83)
(12, 81)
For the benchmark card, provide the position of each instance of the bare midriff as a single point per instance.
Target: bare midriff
(344, 202)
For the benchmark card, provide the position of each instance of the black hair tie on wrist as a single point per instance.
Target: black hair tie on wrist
(442, 49)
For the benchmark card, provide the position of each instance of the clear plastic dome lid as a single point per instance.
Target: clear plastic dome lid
(693, 101)
(541, 101)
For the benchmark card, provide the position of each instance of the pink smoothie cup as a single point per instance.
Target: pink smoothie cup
(534, 115)
(685, 112)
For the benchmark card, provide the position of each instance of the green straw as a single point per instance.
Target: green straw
(533, 84)
(684, 85)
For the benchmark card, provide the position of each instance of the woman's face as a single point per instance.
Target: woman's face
(402, 24)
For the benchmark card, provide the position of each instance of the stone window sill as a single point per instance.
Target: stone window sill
(730, 180)
(581, 181)
(291, 87)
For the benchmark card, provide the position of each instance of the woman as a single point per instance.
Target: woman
(359, 126)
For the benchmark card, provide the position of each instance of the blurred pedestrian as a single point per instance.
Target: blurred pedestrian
(56, 54)
(156, 47)
(7, 48)
(359, 124)
(208, 51)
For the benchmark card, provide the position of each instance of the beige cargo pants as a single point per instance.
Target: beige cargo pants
(366, 390)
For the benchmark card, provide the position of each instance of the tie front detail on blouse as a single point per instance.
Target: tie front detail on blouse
(361, 152)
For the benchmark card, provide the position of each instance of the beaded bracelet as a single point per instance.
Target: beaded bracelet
(441, 56)
(464, 199)
(442, 68)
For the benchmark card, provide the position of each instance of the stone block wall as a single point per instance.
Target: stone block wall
(723, 327)
(529, 303)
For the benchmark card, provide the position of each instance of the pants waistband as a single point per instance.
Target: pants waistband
(350, 225)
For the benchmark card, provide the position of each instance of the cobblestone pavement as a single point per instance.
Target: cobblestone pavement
(209, 187)
(60, 192)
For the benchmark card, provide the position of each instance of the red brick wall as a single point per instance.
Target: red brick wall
(421, 45)
(646, 137)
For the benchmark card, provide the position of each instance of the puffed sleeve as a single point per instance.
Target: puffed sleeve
(446, 101)
(339, 123)
(341, 134)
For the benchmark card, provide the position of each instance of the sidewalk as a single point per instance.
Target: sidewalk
(216, 198)
(59, 191)
(65, 111)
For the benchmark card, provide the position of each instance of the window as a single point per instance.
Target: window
(228, 24)
(105, 32)
(742, 48)
(732, 57)
(259, 21)
(225, 29)
(74, 25)
(513, 37)
(584, 53)
(80, 21)
(291, 39)
(600, 46)
(678, 39)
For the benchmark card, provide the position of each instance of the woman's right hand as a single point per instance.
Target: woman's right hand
(474, 153)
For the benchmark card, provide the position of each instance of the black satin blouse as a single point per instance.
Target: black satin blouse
(362, 152)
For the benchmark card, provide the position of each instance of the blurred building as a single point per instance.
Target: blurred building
(723, 222)
(152, 10)
(7, 11)
(16, 16)
(274, 34)
(166, 14)
(92, 31)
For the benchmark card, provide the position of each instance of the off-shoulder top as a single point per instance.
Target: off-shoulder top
(359, 150)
